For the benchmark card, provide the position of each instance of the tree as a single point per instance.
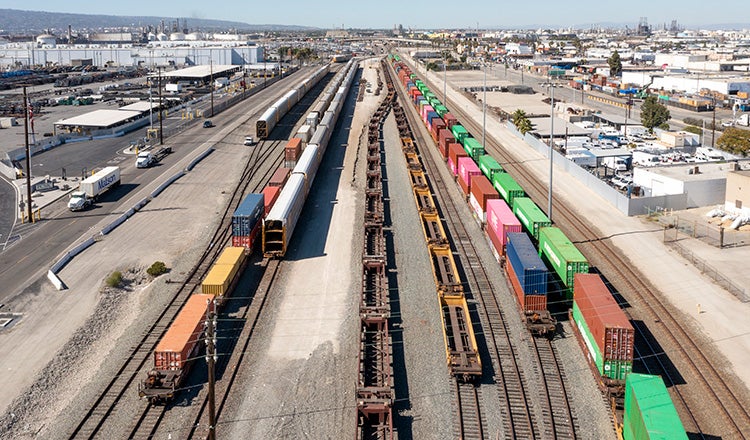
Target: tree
(615, 64)
(521, 121)
(735, 141)
(653, 114)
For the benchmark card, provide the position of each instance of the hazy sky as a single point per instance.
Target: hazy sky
(432, 14)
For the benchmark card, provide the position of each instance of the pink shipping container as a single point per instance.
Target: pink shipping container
(500, 221)
(482, 191)
(466, 170)
(455, 152)
(424, 110)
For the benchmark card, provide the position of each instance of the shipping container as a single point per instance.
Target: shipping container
(530, 270)
(312, 119)
(459, 132)
(436, 126)
(431, 115)
(649, 411)
(562, 256)
(527, 302)
(293, 150)
(608, 368)
(270, 194)
(247, 216)
(304, 133)
(441, 110)
(455, 152)
(532, 218)
(445, 137)
(473, 147)
(450, 120)
(182, 340)
(467, 169)
(279, 177)
(225, 272)
(481, 192)
(500, 222)
(489, 166)
(508, 188)
(610, 328)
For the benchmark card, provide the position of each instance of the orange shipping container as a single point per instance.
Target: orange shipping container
(182, 340)
(279, 177)
(293, 149)
(270, 194)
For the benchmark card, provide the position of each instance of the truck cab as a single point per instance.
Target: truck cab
(78, 201)
(144, 159)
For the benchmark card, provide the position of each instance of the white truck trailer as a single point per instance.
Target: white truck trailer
(92, 187)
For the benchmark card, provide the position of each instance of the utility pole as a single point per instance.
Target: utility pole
(484, 106)
(713, 123)
(445, 82)
(551, 143)
(161, 118)
(28, 153)
(211, 359)
(211, 63)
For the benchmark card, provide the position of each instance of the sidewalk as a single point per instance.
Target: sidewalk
(720, 315)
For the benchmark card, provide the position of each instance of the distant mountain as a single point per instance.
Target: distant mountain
(17, 21)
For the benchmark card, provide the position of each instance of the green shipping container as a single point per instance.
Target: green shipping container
(562, 256)
(508, 188)
(473, 148)
(532, 218)
(459, 133)
(649, 410)
(617, 370)
(434, 102)
(441, 110)
(489, 166)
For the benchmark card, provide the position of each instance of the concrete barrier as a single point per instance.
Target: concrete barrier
(60, 263)
(141, 204)
(202, 156)
(164, 185)
(55, 280)
(81, 247)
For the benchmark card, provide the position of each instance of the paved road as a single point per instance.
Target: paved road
(29, 258)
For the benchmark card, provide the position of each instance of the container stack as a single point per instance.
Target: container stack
(603, 327)
(181, 342)
(292, 151)
(246, 221)
(527, 273)
(500, 222)
(467, 170)
(532, 218)
(649, 411)
(481, 192)
(455, 152)
(563, 256)
(507, 187)
(224, 274)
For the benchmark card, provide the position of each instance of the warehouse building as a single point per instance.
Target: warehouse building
(738, 193)
(705, 184)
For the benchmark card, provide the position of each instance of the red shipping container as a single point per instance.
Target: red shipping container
(182, 339)
(608, 324)
(466, 170)
(452, 167)
(498, 248)
(270, 194)
(247, 241)
(445, 137)
(529, 303)
(437, 125)
(481, 191)
(500, 221)
(449, 120)
(279, 177)
(293, 149)
(456, 151)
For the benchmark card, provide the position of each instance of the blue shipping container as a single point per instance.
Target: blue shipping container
(431, 116)
(247, 215)
(522, 256)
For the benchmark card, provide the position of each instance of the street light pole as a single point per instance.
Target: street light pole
(211, 64)
(551, 149)
(161, 119)
(445, 88)
(484, 106)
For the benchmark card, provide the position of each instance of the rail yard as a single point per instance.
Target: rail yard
(372, 267)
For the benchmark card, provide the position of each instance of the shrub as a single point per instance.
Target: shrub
(115, 279)
(693, 129)
(157, 269)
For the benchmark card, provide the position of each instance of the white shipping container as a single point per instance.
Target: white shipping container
(305, 133)
(312, 119)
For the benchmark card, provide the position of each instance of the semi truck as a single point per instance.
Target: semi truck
(147, 158)
(92, 187)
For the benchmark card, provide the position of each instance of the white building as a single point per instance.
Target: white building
(518, 49)
(704, 183)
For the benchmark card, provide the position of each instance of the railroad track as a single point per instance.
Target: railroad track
(106, 404)
(697, 383)
(518, 418)
(231, 367)
(557, 406)
(470, 415)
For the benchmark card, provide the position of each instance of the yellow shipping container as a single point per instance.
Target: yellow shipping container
(742, 95)
(232, 255)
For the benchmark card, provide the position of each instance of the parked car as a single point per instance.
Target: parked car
(207, 123)
(249, 141)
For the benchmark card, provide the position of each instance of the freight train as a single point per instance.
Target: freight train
(182, 343)
(537, 257)
(279, 224)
